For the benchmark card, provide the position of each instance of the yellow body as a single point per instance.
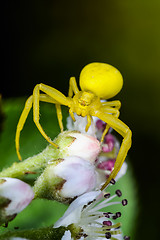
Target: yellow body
(101, 79)
(97, 81)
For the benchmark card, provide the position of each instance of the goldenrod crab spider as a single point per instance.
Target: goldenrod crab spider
(97, 81)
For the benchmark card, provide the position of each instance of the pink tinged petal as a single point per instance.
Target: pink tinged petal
(84, 146)
(107, 165)
(100, 124)
(107, 147)
(79, 174)
(109, 138)
(109, 142)
(20, 194)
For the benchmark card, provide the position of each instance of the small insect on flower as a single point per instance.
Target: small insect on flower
(97, 81)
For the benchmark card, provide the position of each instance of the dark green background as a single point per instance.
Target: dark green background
(49, 41)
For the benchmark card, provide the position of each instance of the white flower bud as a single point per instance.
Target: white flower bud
(64, 179)
(79, 176)
(82, 145)
(15, 195)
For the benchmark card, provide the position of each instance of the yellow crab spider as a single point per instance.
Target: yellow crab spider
(97, 81)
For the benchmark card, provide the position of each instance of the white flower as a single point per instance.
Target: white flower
(79, 176)
(16, 196)
(84, 212)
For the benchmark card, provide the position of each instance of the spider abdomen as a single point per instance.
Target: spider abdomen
(102, 79)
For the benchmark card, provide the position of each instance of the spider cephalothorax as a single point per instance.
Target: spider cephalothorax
(83, 102)
(97, 81)
(86, 98)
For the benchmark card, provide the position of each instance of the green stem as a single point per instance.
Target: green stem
(48, 233)
(31, 164)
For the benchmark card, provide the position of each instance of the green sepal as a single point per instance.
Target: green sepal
(4, 219)
(47, 184)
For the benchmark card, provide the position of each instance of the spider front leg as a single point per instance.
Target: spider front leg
(125, 132)
(52, 96)
(24, 115)
(73, 88)
(55, 95)
(115, 112)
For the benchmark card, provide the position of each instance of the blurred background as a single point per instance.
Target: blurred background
(50, 41)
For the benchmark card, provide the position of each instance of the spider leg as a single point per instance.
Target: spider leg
(110, 107)
(126, 133)
(53, 93)
(115, 113)
(116, 104)
(72, 114)
(23, 117)
(89, 120)
(45, 98)
(59, 116)
(21, 123)
(73, 88)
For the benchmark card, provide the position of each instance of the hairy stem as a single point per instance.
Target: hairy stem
(48, 233)
(31, 164)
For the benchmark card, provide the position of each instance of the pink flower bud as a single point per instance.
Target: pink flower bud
(107, 165)
(84, 146)
(79, 176)
(100, 125)
(16, 196)
(109, 142)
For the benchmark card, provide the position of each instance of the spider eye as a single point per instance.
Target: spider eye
(102, 79)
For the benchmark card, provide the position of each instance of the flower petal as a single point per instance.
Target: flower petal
(73, 213)
(67, 236)
(79, 174)
(122, 171)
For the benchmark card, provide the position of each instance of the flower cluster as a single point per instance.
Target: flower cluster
(74, 174)
(84, 212)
